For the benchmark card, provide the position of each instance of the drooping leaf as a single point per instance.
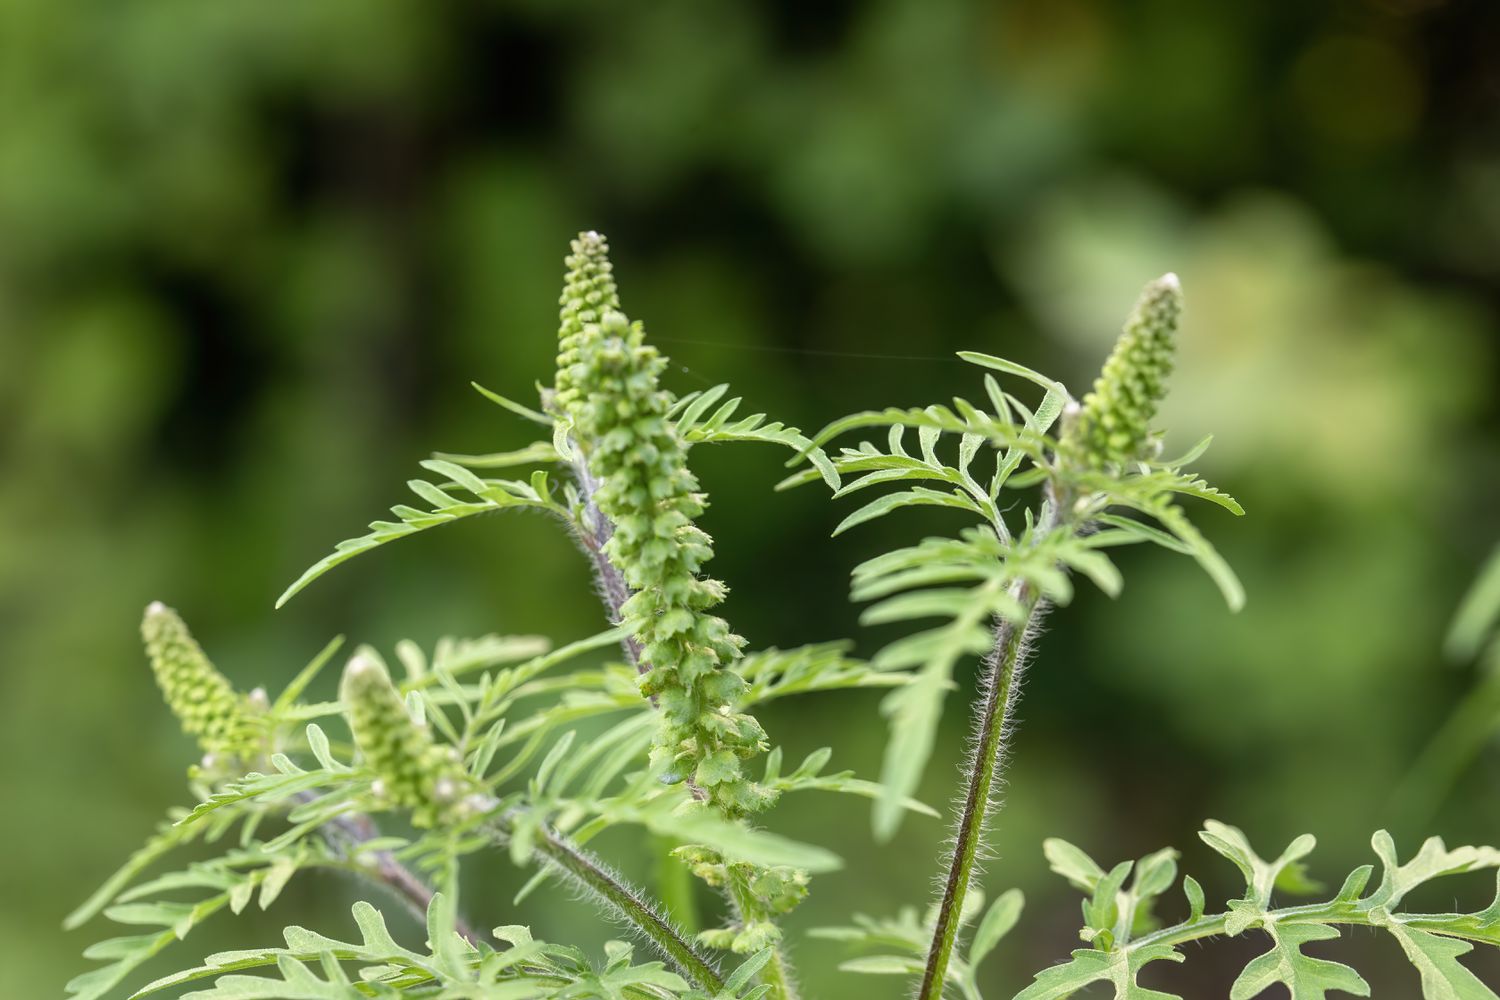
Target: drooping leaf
(1304, 976)
(1436, 960)
(998, 921)
(1117, 968)
(445, 508)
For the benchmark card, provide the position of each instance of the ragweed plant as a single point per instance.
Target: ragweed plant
(472, 747)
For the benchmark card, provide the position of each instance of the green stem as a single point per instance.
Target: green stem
(1213, 925)
(1188, 930)
(777, 973)
(344, 834)
(631, 906)
(1004, 667)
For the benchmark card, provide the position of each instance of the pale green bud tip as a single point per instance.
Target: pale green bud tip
(367, 688)
(590, 283)
(362, 670)
(591, 244)
(588, 293)
(1160, 302)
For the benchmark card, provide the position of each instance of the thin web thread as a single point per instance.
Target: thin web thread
(813, 351)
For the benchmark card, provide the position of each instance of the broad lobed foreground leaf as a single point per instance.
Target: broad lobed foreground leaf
(1433, 943)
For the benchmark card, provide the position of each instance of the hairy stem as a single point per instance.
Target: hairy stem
(346, 833)
(777, 973)
(627, 902)
(1003, 668)
(594, 532)
(632, 906)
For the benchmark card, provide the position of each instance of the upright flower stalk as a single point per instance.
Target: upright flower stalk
(639, 500)
(1001, 687)
(589, 292)
(651, 498)
(1113, 426)
(1109, 430)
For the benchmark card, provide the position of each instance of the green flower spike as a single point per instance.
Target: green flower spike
(588, 291)
(761, 893)
(411, 770)
(202, 698)
(1113, 427)
(651, 498)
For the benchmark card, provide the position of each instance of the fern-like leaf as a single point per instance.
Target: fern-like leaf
(1432, 942)
(1435, 958)
(488, 495)
(232, 882)
(779, 673)
(311, 967)
(536, 453)
(695, 425)
(903, 580)
(901, 942)
(1118, 969)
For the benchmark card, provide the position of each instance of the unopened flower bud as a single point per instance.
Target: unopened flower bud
(1114, 425)
(411, 770)
(202, 698)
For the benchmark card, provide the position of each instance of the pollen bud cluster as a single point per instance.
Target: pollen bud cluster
(1113, 426)
(412, 771)
(202, 698)
(608, 388)
(651, 498)
(762, 893)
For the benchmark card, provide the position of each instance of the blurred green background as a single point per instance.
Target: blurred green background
(251, 253)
